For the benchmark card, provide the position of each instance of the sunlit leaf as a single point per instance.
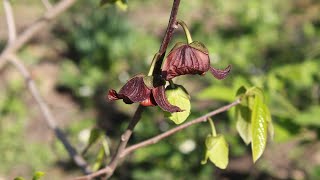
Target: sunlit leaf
(259, 128)
(217, 151)
(243, 118)
(37, 175)
(179, 97)
(105, 146)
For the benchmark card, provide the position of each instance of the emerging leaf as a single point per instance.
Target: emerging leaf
(99, 159)
(259, 128)
(243, 117)
(217, 151)
(178, 96)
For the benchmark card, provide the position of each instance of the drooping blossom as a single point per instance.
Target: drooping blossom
(145, 90)
(190, 58)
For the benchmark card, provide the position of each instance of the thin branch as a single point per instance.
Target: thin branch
(34, 29)
(12, 33)
(172, 25)
(46, 4)
(48, 116)
(177, 129)
(110, 168)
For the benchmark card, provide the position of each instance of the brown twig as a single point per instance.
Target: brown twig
(110, 168)
(159, 137)
(48, 116)
(33, 29)
(16, 62)
(172, 25)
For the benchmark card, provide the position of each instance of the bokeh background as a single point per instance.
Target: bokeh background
(271, 44)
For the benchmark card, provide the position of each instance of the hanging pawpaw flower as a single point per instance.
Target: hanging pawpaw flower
(147, 90)
(192, 58)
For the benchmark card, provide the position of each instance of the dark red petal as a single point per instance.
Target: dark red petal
(161, 99)
(219, 73)
(135, 90)
(113, 95)
(185, 59)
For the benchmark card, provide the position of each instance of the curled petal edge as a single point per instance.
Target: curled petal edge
(220, 73)
(113, 95)
(161, 99)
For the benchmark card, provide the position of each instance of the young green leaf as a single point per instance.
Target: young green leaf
(243, 117)
(259, 128)
(178, 96)
(37, 175)
(99, 159)
(217, 151)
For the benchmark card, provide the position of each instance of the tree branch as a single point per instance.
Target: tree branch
(8, 54)
(48, 117)
(33, 29)
(159, 137)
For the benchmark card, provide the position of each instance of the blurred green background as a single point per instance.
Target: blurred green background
(271, 44)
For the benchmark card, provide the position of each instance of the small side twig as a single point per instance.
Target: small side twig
(159, 137)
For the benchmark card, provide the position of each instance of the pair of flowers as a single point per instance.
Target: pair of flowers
(192, 58)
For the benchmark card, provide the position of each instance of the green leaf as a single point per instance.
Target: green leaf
(259, 128)
(95, 134)
(217, 151)
(178, 96)
(243, 117)
(37, 175)
(99, 159)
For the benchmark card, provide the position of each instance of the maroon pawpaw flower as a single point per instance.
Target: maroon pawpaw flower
(190, 58)
(148, 91)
